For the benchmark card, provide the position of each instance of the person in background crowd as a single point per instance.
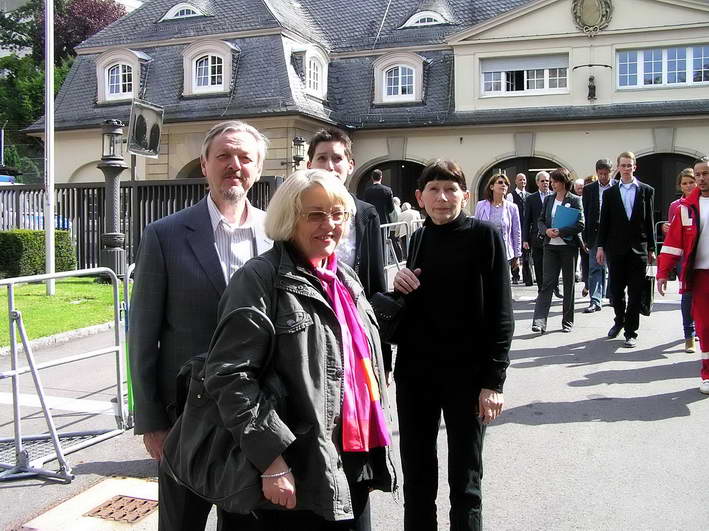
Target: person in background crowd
(361, 247)
(458, 330)
(322, 453)
(688, 240)
(519, 196)
(381, 197)
(582, 263)
(686, 183)
(396, 242)
(503, 214)
(184, 263)
(532, 239)
(578, 187)
(560, 250)
(409, 215)
(592, 202)
(626, 238)
(583, 254)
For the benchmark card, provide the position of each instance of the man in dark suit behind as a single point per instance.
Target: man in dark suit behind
(530, 228)
(518, 196)
(381, 197)
(626, 238)
(592, 201)
(183, 266)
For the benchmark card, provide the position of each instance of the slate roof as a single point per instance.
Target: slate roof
(267, 83)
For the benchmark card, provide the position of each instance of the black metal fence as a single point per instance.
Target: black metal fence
(80, 209)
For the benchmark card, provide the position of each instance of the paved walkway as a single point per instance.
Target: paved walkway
(593, 437)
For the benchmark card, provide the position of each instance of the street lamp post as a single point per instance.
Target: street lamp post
(298, 153)
(113, 254)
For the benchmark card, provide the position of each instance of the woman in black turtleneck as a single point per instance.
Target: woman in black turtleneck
(459, 325)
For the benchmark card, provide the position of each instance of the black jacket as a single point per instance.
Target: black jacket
(619, 235)
(592, 212)
(571, 235)
(382, 198)
(369, 254)
(530, 228)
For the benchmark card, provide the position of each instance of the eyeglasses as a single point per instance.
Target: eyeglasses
(501, 182)
(317, 216)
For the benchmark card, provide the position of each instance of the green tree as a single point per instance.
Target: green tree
(74, 22)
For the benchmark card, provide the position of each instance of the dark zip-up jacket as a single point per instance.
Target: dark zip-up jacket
(308, 360)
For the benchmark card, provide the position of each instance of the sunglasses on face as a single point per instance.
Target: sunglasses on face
(317, 216)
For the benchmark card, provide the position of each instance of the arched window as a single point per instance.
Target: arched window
(398, 78)
(119, 81)
(424, 18)
(207, 67)
(182, 10)
(209, 73)
(399, 81)
(314, 74)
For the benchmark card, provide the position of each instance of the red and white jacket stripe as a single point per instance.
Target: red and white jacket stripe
(681, 242)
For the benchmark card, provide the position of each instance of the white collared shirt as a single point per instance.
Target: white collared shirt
(601, 191)
(235, 244)
(627, 195)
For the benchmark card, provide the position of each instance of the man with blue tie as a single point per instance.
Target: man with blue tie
(626, 239)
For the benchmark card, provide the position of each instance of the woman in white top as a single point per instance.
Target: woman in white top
(561, 246)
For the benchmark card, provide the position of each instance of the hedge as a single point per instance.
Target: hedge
(22, 252)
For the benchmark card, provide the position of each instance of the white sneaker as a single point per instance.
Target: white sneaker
(704, 387)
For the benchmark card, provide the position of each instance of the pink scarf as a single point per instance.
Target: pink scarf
(363, 424)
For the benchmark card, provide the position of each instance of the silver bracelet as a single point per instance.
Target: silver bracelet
(277, 475)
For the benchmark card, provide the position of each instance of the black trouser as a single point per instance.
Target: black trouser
(538, 259)
(526, 269)
(584, 267)
(557, 259)
(422, 392)
(182, 510)
(627, 271)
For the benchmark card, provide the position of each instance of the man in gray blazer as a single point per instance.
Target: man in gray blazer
(182, 268)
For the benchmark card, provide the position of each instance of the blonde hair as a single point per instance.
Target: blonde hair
(286, 205)
(687, 172)
(626, 155)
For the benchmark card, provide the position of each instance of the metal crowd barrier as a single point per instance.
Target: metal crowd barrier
(33, 451)
(393, 260)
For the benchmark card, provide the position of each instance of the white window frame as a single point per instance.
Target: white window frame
(386, 63)
(413, 21)
(121, 94)
(198, 50)
(402, 71)
(213, 61)
(640, 65)
(315, 57)
(118, 57)
(173, 12)
(540, 76)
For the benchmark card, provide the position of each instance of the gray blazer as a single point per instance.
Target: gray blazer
(173, 310)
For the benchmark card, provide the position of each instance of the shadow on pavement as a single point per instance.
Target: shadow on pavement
(685, 369)
(136, 468)
(598, 408)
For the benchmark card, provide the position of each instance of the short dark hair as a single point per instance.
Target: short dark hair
(377, 174)
(490, 182)
(562, 175)
(604, 164)
(330, 135)
(442, 170)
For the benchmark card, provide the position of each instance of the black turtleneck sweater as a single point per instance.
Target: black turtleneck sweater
(461, 315)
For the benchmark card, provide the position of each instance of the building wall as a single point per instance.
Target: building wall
(576, 146)
(79, 151)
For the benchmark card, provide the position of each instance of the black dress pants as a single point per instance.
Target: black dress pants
(627, 271)
(182, 510)
(557, 259)
(537, 251)
(423, 390)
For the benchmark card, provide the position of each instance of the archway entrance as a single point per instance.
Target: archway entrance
(660, 170)
(530, 166)
(191, 170)
(399, 175)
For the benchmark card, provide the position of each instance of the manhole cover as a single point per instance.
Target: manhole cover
(124, 509)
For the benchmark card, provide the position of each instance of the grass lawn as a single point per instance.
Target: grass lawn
(79, 302)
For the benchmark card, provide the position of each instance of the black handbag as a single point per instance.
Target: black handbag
(200, 452)
(390, 307)
(647, 296)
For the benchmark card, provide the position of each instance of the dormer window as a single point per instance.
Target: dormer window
(207, 67)
(209, 73)
(118, 74)
(424, 18)
(119, 81)
(398, 78)
(313, 72)
(183, 10)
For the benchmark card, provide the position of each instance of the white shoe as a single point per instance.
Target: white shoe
(704, 387)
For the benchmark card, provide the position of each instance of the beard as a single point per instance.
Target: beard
(233, 194)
